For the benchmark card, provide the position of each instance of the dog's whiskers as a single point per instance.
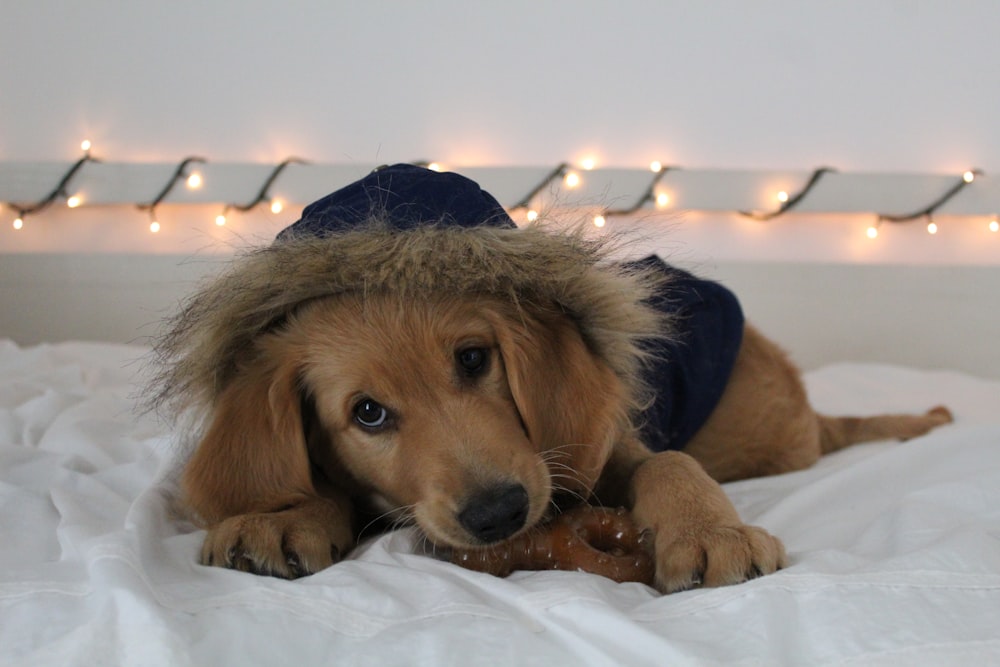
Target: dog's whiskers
(399, 517)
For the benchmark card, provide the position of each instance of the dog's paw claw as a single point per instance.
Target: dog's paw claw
(718, 556)
(283, 544)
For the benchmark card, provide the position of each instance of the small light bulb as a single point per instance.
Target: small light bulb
(74, 201)
(572, 179)
(276, 206)
(194, 181)
(588, 163)
(783, 197)
(599, 221)
(932, 228)
(969, 176)
(872, 232)
(18, 223)
(994, 226)
(434, 166)
(662, 199)
(154, 226)
(220, 220)
(656, 166)
(85, 145)
(532, 215)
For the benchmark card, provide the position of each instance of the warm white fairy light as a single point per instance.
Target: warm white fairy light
(85, 145)
(572, 177)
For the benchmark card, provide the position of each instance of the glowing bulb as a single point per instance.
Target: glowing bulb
(276, 206)
(18, 223)
(656, 166)
(969, 176)
(994, 226)
(932, 228)
(220, 220)
(599, 221)
(194, 181)
(872, 232)
(74, 201)
(154, 226)
(572, 179)
(783, 197)
(532, 215)
(85, 145)
(662, 199)
(434, 166)
(588, 163)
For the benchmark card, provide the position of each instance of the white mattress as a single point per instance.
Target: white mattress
(895, 553)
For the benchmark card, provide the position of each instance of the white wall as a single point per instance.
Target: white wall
(892, 85)
(898, 85)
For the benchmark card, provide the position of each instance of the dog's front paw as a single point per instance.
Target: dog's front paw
(716, 556)
(290, 543)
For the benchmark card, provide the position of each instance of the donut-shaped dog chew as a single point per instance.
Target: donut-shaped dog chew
(598, 540)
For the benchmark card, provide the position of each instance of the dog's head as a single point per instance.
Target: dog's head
(459, 376)
(458, 412)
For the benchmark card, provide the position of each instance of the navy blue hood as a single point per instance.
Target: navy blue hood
(404, 196)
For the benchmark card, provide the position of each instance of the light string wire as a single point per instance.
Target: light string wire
(180, 173)
(792, 201)
(58, 191)
(648, 196)
(928, 211)
(263, 194)
(561, 171)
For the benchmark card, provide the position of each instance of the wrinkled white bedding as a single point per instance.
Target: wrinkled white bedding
(895, 552)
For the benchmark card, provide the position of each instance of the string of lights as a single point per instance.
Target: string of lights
(60, 190)
(786, 202)
(928, 211)
(524, 191)
(181, 173)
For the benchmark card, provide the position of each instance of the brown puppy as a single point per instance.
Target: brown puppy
(461, 380)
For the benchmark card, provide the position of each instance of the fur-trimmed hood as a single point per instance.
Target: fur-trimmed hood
(537, 268)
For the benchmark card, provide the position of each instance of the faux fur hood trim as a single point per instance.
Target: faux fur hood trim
(534, 267)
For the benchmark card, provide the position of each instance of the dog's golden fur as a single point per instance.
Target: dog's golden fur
(427, 373)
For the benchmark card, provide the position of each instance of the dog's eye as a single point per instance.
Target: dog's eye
(370, 414)
(472, 360)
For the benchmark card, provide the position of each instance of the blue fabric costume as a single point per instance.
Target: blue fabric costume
(689, 373)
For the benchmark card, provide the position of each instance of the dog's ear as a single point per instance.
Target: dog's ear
(252, 457)
(572, 404)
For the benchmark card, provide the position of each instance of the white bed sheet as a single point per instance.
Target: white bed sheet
(895, 553)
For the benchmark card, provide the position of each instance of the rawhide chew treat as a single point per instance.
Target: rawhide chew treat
(598, 540)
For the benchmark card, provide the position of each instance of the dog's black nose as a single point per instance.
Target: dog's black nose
(496, 513)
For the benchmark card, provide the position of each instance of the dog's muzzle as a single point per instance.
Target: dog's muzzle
(496, 513)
